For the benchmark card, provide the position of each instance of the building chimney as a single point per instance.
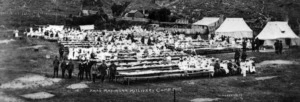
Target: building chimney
(268, 19)
(222, 18)
(287, 18)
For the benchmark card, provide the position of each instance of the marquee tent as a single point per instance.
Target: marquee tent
(278, 31)
(235, 27)
(87, 27)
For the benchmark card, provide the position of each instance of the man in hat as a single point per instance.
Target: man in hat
(63, 67)
(81, 68)
(61, 51)
(102, 68)
(87, 70)
(55, 65)
(70, 68)
(112, 71)
(257, 44)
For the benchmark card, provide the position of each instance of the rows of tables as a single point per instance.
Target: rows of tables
(130, 68)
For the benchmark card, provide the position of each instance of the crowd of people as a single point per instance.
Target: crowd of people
(219, 67)
(88, 69)
(94, 53)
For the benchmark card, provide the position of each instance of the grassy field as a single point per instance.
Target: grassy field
(16, 61)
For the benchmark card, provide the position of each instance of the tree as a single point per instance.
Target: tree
(117, 10)
(153, 15)
(164, 14)
(160, 14)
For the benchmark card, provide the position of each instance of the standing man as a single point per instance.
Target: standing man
(244, 56)
(87, 70)
(102, 68)
(257, 44)
(94, 69)
(112, 71)
(253, 45)
(237, 55)
(276, 46)
(55, 65)
(244, 44)
(81, 68)
(143, 39)
(149, 41)
(63, 67)
(70, 68)
(61, 51)
(280, 47)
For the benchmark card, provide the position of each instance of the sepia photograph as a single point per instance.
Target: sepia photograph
(149, 51)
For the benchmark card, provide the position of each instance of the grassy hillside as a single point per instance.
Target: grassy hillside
(255, 11)
(16, 13)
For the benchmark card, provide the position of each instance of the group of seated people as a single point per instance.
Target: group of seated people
(219, 67)
(111, 50)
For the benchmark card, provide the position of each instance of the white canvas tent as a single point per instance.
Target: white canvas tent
(207, 21)
(87, 27)
(278, 31)
(235, 27)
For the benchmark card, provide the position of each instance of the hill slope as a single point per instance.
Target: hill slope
(256, 11)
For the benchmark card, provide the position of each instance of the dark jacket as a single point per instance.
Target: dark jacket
(113, 68)
(244, 45)
(217, 66)
(237, 54)
(229, 65)
(143, 39)
(63, 65)
(61, 49)
(56, 63)
(244, 55)
(102, 68)
(88, 67)
(276, 45)
(149, 42)
(70, 67)
(280, 46)
(81, 67)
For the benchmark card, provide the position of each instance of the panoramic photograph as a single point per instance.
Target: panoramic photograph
(149, 51)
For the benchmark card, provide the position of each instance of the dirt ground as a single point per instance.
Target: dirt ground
(18, 59)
